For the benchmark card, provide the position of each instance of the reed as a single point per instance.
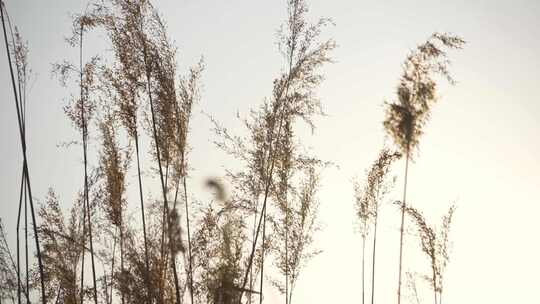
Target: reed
(293, 98)
(81, 111)
(9, 272)
(63, 244)
(369, 197)
(189, 93)
(114, 163)
(123, 82)
(435, 244)
(19, 91)
(276, 188)
(364, 213)
(407, 117)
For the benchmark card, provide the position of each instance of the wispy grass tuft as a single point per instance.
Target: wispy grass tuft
(434, 242)
(369, 197)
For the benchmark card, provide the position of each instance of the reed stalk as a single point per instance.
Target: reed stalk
(26, 174)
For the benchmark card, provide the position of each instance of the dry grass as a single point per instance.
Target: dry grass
(257, 234)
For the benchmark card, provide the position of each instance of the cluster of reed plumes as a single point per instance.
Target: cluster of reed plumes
(405, 122)
(214, 252)
(176, 249)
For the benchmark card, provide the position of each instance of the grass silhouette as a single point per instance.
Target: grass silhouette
(258, 232)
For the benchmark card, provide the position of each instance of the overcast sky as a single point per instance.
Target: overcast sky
(481, 149)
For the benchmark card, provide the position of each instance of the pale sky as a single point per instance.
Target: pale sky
(481, 149)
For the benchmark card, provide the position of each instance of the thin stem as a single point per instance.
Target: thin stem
(163, 186)
(146, 260)
(18, 242)
(112, 269)
(269, 176)
(403, 205)
(363, 263)
(253, 236)
(189, 241)
(85, 144)
(26, 243)
(263, 213)
(122, 261)
(286, 251)
(262, 254)
(373, 255)
(183, 169)
(291, 293)
(434, 274)
(25, 163)
(58, 295)
(165, 215)
(83, 251)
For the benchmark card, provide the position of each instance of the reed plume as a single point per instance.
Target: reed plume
(62, 247)
(145, 64)
(416, 94)
(114, 164)
(293, 97)
(188, 95)
(364, 212)
(123, 81)
(295, 231)
(434, 242)
(368, 199)
(150, 62)
(219, 248)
